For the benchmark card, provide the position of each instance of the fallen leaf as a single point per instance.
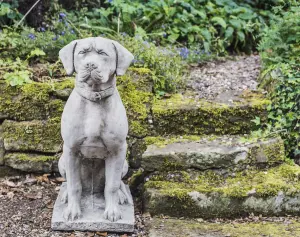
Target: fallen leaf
(102, 233)
(60, 179)
(34, 196)
(125, 235)
(10, 195)
(9, 183)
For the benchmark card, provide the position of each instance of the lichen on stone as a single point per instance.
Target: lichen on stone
(183, 115)
(42, 136)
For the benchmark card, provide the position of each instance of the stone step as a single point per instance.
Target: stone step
(227, 153)
(250, 227)
(194, 194)
(182, 114)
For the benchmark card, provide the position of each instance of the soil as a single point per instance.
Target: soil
(213, 79)
(26, 204)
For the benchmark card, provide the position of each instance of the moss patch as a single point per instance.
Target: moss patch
(137, 99)
(262, 183)
(36, 163)
(207, 195)
(179, 115)
(42, 136)
(31, 101)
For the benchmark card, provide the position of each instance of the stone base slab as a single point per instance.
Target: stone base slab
(92, 207)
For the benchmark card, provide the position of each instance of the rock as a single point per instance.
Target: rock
(2, 150)
(209, 195)
(41, 136)
(31, 101)
(172, 227)
(30, 163)
(206, 152)
(182, 115)
(8, 171)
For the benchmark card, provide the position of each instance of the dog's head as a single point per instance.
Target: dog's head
(95, 58)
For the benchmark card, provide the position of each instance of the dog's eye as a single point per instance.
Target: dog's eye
(101, 52)
(82, 52)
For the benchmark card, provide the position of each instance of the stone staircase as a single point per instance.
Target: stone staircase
(204, 163)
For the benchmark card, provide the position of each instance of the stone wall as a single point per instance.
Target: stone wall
(30, 115)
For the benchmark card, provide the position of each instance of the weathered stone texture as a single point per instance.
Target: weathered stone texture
(181, 115)
(2, 150)
(32, 163)
(36, 135)
(209, 195)
(205, 152)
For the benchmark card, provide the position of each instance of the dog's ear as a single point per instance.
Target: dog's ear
(66, 55)
(124, 58)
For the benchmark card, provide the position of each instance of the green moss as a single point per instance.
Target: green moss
(137, 103)
(163, 141)
(32, 158)
(66, 83)
(179, 115)
(31, 101)
(43, 136)
(262, 183)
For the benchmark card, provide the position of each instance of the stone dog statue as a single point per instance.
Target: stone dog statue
(94, 126)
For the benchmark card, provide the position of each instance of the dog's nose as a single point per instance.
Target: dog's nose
(91, 66)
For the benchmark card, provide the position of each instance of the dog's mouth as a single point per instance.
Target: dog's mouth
(95, 75)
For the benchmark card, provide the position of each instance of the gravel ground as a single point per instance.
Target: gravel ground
(26, 205)
(215, 78)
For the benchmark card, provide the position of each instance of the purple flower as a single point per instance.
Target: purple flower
(62, 15)
(63, 33)
(164, 34)
(163, 26)
(184, 52)
(43, 29)
(31, 36)
(72, 32)
(134, 61)
(55, 37)
(109, 1)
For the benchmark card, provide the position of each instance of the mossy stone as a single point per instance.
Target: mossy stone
(135, 91)
(36, 135)
(35, 163)
(181, 115)
(275, 191)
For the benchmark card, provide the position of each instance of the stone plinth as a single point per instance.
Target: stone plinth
(92, 207)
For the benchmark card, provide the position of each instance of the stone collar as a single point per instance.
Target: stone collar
(95, 96)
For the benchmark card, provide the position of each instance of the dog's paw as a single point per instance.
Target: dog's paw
(122, 197)
(72, 212)
(113, 213)
(64, 197)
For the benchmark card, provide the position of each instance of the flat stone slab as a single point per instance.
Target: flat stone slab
(205, 194)
(209, 152)
(92, 216)
(273, 227)
(183, 114)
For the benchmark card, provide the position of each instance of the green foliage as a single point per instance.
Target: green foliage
(166, 65)
(280, 50)
(9, 12)
(214, 25)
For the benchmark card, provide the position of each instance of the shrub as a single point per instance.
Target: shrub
(280, 50)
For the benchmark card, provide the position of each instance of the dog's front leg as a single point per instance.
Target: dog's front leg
(113, 172)
(74, 186)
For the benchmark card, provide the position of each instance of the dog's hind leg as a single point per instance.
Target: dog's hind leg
(74, 186)
(62, 171)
